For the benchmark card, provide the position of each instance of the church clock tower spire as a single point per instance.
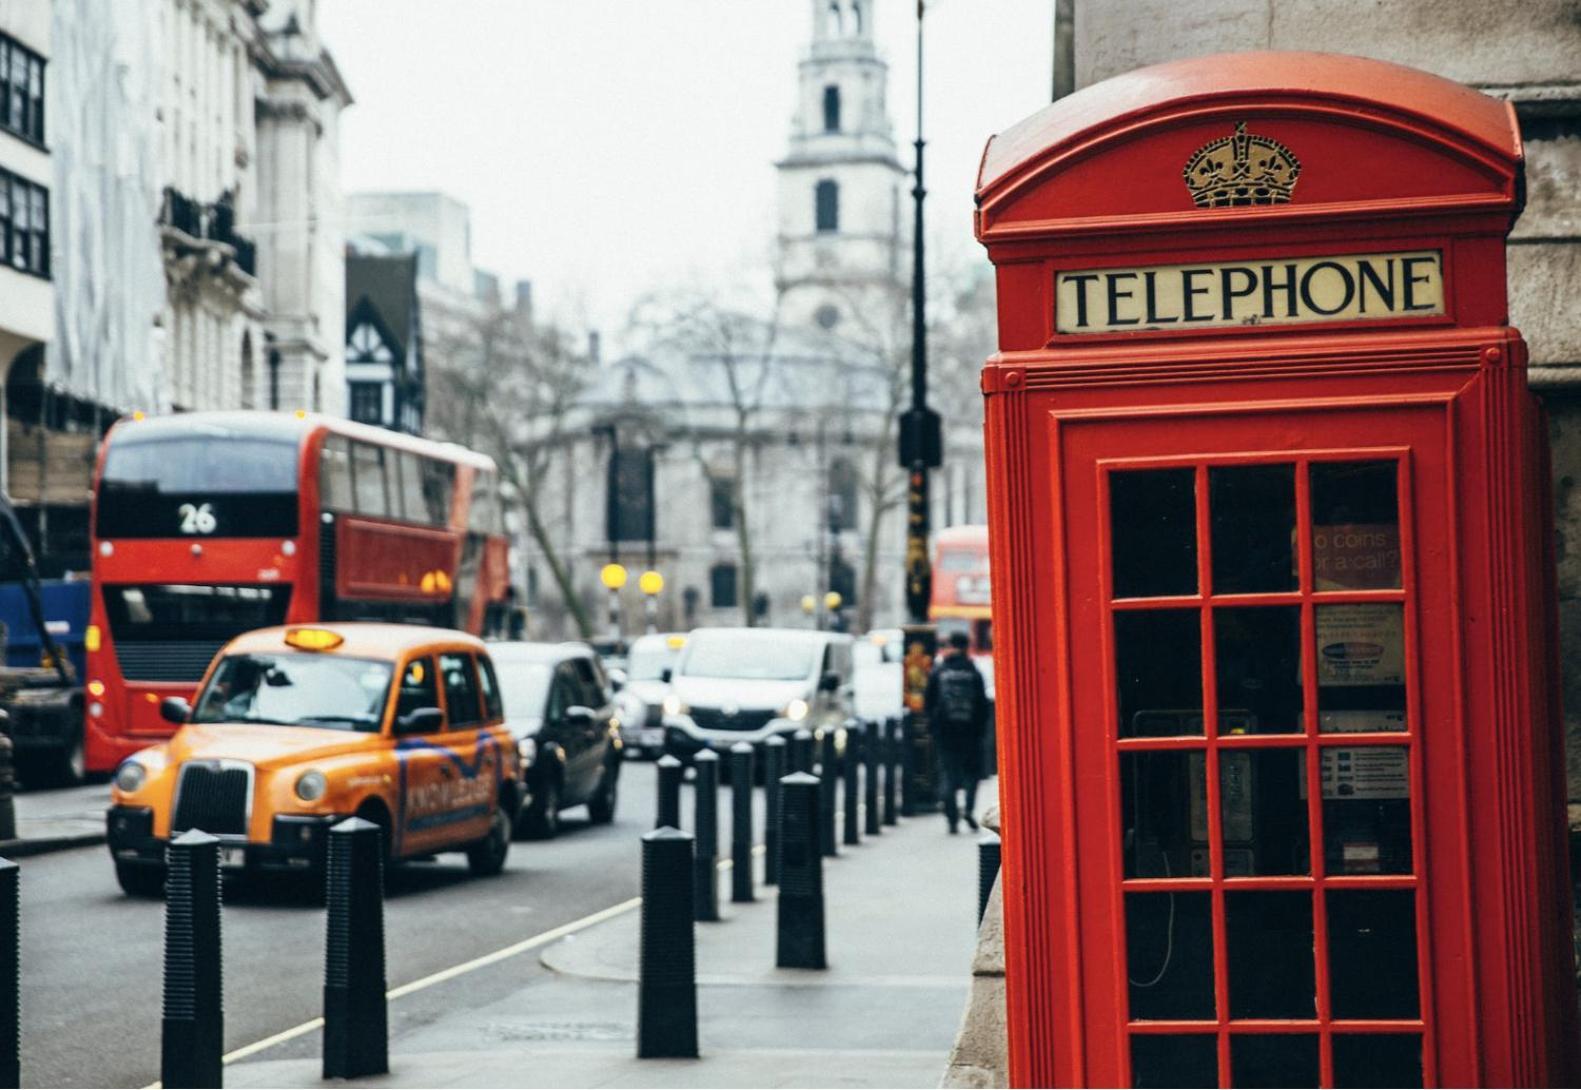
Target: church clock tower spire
(839, 184)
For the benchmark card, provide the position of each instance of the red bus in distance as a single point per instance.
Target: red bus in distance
(960, 593)
(206, 525)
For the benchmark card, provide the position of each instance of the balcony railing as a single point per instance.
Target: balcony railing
(215, 222)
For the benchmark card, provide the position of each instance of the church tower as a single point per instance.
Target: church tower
(840, 237)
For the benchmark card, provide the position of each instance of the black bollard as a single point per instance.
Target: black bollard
(801, 751)
(828, 774)
(667, 959)
(872, 819)
(851, 788)
(891, 773)
(774, 754)
(194, 1018)
(908, 770)
(741, 822)
(356, 1021)
(10, 974)
(800, 932)
(987, 870)
(706, 823)
(7, 785)
(670, 773)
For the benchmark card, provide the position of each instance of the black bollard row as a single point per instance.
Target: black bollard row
(10, 974)
(800, 935)
(891, 770)
(741, 822)
(706, 859)
(667, 958)
(774, 754)
(987, 870)
(851, 788)
(670, 773)
(828, 774)
(872, 824)
(193, 1035)
(801, 753)
(356, 1018)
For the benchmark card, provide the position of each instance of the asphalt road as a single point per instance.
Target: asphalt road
(91, 957)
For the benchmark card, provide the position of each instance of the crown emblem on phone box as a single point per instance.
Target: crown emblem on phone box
(1241, 169)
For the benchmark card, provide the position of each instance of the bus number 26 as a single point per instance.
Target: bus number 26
(197, 518)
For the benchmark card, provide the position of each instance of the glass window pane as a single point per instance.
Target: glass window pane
(1160, 693)
(1264, 812)
(1153, 530)
(1253, 516)
(1361, 667)
(1174, 1059)
(414, 504)
(1377, 1059)
(1164, 811)
(462, 700)
(1273, 1059)
(1269, 943)
(334, 475)
(1366, 809)
(1355, 526)
(1258, 663)
(1169, 955)
(1372, 953)
(368, 467)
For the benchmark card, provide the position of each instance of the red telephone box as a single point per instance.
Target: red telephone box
(1282, 767)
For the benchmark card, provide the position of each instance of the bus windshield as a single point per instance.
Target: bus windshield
(159, 481)
(296, 690)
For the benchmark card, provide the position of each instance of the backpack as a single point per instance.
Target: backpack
(957, 699)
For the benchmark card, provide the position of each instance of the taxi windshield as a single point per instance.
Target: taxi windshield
(296, 690)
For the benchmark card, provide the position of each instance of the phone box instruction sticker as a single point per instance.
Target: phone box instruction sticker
(1361, 644)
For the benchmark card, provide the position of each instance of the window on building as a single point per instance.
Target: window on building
(367, 346)
(842, 495)
(722, 502)
(24, 225)
(630, 495)
(831, 108)
(827, 204)
(21, 90)
(722, 586)
(367, 402)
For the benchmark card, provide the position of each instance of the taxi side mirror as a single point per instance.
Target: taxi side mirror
(829, 683)
(420, 721)
(666, 674)
(175, 709)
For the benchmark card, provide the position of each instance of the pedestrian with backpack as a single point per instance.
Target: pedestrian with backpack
(956, 704)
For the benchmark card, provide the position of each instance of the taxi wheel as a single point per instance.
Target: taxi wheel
(140, 881)
(487, 856)
(601, 807)
(541, 820)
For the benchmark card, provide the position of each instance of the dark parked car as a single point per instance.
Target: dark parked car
(559, 708)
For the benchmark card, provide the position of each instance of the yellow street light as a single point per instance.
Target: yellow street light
(650, 582)
(613, 576)
(832, 600)
(808, 603)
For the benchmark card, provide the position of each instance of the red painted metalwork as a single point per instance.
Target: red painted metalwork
(1458, 585)
(340, 564)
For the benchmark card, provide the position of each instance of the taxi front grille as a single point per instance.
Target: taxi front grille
(717, 719)
(214, 798)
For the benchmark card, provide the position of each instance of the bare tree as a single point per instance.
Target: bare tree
(509, 388)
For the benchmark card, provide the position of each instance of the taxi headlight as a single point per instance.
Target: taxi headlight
(311, 785)
(674, 705)
(130, 776)
(527, 750)
(796, 710)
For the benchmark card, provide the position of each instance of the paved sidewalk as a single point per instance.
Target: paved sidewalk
(901, 916)
(53, 820)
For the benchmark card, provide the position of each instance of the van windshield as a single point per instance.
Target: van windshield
(753, 657)
(296, 690)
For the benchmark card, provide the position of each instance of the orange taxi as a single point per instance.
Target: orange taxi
(296, 728)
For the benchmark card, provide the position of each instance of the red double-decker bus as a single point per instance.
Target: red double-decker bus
(206, 525)
(960, 592)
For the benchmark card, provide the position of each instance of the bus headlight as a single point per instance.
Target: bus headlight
(311, 785)
(796, 710)
(674, 705)
(130, 776)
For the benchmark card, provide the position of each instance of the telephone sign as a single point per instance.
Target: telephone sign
(1282, 772)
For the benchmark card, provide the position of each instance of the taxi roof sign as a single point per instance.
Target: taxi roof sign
(313, 639)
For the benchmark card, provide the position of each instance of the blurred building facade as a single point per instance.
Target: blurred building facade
(193, 233)
(384, 341)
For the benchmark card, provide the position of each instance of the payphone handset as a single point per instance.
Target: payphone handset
(1153, 825)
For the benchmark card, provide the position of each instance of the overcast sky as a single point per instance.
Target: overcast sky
(612, 147)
